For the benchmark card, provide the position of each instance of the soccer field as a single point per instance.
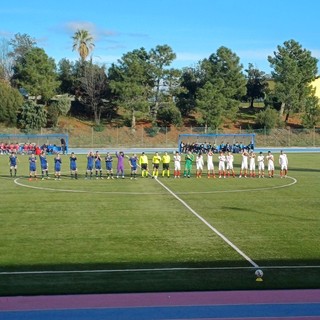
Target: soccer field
(122, 235)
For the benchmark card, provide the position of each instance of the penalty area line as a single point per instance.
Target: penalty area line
(222, 236)
(152, 270)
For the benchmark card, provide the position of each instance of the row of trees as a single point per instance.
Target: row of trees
(144, 85)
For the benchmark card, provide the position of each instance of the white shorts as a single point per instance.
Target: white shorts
(261, 166)
(244, 165)
(252, 166)
(270, 167)
(222, 166)
(177, 166)
(199, 166)
(210, 166)
(284, 167)
(229, 166)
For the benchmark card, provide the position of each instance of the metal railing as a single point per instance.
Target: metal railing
(168, 136)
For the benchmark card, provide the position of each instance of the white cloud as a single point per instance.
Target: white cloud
(105, 59)
(137, 35)
(188, 56)
(5, 34)
(115, 47)
(258, 54)
(315, 53)
(258, 57)
(75, 25)
(96, 32)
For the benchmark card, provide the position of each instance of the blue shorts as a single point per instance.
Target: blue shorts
(109, 167)
(98, 167)
(73, 167)
(44, 167)
(89, 167)
(33, 168)
(57, 168)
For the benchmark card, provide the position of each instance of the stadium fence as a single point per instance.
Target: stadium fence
(168, 136)
(57, 142)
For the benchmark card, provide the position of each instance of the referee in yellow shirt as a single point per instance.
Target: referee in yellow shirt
(143, 162)
(155, 163)
(166, 162)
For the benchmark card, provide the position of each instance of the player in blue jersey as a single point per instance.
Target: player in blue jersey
(32, 166)
(13, 162)
(97, 165)
(133, 161)
(73, 166)
(57, 167)
(108, 160)
(90, 162)
(44, 165)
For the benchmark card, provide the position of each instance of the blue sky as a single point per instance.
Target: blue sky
(194, 29)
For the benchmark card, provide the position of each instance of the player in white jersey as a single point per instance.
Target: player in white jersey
(210, 165)
(252, 164)
(222, 165)
(177, 165)
(244, 163)
(283, 162)
(229, 159)
(270, 160)
(260, 160)
(199, 165)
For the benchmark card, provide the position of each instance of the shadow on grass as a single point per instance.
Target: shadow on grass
(153, 277)
(277, 170)
(303, 170)
(239, 209)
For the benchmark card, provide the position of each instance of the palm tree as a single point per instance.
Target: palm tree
(83, 43)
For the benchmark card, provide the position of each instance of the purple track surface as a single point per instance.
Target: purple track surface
(270, 304)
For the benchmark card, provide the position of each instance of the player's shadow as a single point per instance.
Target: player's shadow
(304, 169)
(287, 215)
(238, 209)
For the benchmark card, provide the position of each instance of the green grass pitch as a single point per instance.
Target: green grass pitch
(122, 235)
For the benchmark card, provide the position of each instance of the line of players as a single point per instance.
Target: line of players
(13, 162)
(248, 164)
(247, 168)
(94, 163)
(225, 165)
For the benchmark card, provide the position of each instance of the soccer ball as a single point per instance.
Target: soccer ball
(259, 273)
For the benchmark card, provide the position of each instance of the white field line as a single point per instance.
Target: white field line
(244, 190)
(240, 252)
(152, 270)
(16, 181)
(79, 191)
(224, 238)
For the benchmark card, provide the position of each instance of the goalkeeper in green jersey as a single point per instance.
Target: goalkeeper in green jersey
(188, 164)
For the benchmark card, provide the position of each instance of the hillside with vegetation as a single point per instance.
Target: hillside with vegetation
(142, 94)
